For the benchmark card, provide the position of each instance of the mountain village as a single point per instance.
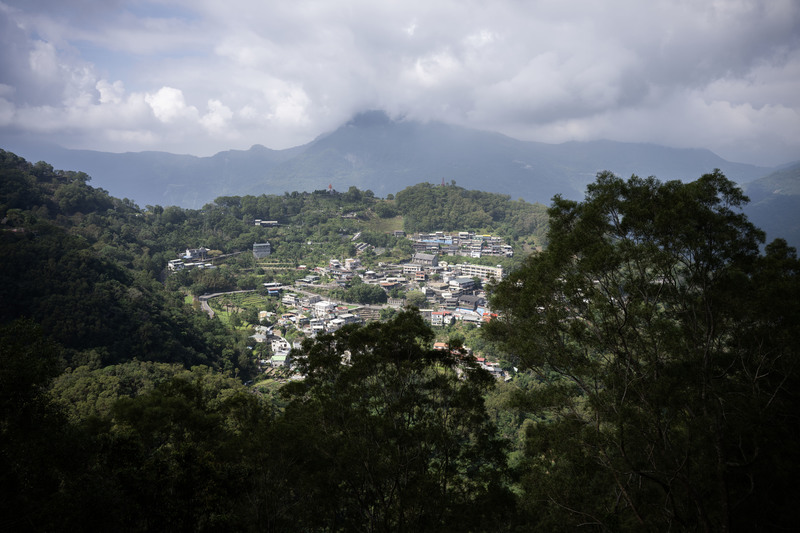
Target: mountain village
(446, 291)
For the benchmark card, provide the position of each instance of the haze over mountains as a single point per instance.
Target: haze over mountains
(374, 152)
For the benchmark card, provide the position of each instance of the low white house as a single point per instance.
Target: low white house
(323, 308)
(279, 344)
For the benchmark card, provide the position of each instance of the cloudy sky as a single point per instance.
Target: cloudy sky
(201, 76)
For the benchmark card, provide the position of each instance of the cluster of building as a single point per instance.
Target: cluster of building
(193, 258)
(309, 314)
(467, 307)
(279, 347)
(452, 287)
(429, 264)
(313, 315)
(463, 243)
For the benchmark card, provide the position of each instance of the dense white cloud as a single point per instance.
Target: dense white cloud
(169, 105)
(110, 93)
(216, 120)
(201, 76)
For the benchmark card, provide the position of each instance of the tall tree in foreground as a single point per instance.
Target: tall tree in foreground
(399, 434)
(666, 348)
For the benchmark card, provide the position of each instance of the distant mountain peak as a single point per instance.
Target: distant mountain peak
(370, 118)
(384, 153)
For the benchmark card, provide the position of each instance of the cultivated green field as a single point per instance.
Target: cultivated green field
(384, 225)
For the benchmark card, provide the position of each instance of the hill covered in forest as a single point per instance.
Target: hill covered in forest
(775, 203)
(118, 394)
(650, 346)
(374, 152)
(88, 267)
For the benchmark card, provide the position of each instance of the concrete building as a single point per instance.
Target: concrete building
(196, 253)
(323, 308)
(352, 263)
(261, 249)
(462, 282)
(427, 260)
(481, 271)
(266, 223)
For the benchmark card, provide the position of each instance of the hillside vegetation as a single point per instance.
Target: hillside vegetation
(775, 205)
(373, 152)
(427, 207)
(651, 349)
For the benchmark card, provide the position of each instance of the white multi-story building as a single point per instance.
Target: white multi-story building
(481, 271)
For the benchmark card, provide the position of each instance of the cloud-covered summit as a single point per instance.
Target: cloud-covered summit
(204, 76)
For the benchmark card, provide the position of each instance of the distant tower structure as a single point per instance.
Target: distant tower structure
(261, 250)
(330, 188)
(442, 181)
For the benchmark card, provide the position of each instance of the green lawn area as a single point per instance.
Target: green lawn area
(248, 300)
(384, 225)
(222, 315)
(245, 301)
(268, 385)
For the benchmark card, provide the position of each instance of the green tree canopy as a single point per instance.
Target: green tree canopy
(666, 347)
(426, 207)
(416, 299)
(403, 442)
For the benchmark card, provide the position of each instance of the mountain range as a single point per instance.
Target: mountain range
(775, 204)
(373, 151)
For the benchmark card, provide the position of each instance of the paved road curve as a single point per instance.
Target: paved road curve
(205, 297)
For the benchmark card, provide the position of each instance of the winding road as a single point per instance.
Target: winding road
(205, 297)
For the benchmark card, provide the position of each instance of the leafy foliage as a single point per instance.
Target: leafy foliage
(426, 207)
(360, 292)
(406, 443)
(85, 278)
(667, 382)
(392, 441)
(657, 343)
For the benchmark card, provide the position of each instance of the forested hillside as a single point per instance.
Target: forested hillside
(374, 152)
(775, 203)
(666, 349)
(427, 207)
(651, 351)
(124, 408)
(74, 264)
